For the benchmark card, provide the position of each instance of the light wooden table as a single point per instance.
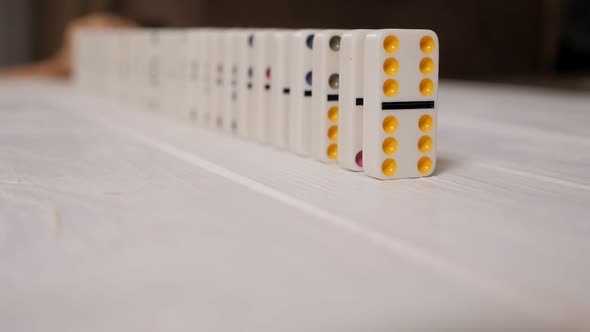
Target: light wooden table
(116, 219)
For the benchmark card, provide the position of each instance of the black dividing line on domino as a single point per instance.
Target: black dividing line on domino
(407, 105)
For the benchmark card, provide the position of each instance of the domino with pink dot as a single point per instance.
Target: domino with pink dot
(350, 119)
(261, 85)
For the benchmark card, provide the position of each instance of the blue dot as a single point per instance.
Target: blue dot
(251, 40)
(308, 78)
(309, 42)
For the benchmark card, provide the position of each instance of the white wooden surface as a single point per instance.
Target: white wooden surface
(116, 219)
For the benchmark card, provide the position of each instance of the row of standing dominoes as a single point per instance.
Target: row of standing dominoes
(363, 98)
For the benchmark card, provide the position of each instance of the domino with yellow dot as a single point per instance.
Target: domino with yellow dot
(350, 119)
(400, 102)
(325, 95)
(302, 44)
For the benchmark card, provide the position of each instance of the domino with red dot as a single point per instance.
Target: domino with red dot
(261, 85)
(350, 118)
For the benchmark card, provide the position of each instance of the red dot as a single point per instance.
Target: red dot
(268, 73)
(359, 158)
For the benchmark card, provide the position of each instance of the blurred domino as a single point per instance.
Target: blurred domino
(325, 95)
(400, 100)
(111, 67)
(280, 93)
(124, 62)
(213, 114)
(302, 43)
(152, 70)
(137, 61)
(205, 74)
(230, 76)
(193, 82)
(82, 75)
(350, 119)
(120, 53)
(261, 85)
(173, 52)
(244, 42)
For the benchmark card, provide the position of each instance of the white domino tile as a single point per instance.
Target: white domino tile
(350, 117)
(400, 103)
(214, 115)
(280, 88)
(325, 95)
(244, 51)
(301, 78)
(261, 85)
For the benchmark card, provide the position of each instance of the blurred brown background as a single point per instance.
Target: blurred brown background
(501, 39)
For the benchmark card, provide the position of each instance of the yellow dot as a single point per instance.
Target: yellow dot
(427, 44)
(424, 165)
(391, 44)
(425, 123)
(390, 66)
(333, 114)
(427, 66)
(388, 167)
(390, 88)
(389, 145)
(333, 133)
(332, 151)
(425, 144)
(426, 87)
(390, 124)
